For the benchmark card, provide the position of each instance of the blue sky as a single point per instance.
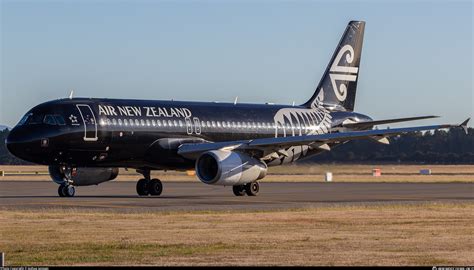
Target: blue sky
(417, 56)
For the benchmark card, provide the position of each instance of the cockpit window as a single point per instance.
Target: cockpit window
(49, 119)
(24, 119)
(59, 120)
(34, 119)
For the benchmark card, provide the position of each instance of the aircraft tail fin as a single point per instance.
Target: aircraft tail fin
(337, 88)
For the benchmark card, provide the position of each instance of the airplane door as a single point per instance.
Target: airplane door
(189, 126)
(197, 125)
(89, 121)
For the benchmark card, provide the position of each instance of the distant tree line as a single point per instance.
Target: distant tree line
(445, 147)
(440, 146)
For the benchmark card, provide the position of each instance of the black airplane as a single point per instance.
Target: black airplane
(85, 140)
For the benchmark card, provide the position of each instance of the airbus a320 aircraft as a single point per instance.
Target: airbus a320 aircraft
(85, 140)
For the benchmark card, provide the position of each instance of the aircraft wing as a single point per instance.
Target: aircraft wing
(193, 150)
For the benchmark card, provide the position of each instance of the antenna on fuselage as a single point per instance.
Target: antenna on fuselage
(71, 94)
(235, 100)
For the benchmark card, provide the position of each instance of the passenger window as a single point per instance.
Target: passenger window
(158, 122)
(218, 124)
(153, 122)
(49, 119)
(170, 123)
(148, 122)
(114, 122)
(59, 120)
(223, 124)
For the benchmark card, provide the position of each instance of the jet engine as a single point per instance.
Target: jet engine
(82, 176)
(228, 168)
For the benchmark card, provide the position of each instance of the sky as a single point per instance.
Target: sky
(417, 57)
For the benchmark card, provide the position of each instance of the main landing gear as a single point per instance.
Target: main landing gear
(147, 186)
(251, 189)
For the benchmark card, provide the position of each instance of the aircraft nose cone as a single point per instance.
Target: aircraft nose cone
(13, 143)
(19, 143)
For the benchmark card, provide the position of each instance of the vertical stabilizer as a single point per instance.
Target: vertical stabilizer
(337, 88)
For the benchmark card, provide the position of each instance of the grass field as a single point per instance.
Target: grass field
(404, 234)
(300, 173)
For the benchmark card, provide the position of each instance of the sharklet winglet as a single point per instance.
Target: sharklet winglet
(464, 125)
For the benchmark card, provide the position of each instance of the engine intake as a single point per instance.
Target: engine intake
(83, 176)
(228, 168)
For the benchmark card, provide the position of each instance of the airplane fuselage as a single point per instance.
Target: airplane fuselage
(146, 134)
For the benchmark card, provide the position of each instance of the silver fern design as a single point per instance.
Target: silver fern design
(301, 121)
(298, 122)
(340, 72)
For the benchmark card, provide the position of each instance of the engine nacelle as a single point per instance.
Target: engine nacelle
(228, 168)
(83, 176)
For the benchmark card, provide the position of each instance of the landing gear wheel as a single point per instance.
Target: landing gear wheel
(239, 190)
(66, 191)
(61, 191)
(142, 187)
(252, 188)
(155, 187)
(69, 191)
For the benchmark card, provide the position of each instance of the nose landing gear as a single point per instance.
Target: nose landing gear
(147, 186)
(66, 190)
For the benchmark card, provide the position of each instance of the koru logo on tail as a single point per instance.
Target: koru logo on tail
(343, 73)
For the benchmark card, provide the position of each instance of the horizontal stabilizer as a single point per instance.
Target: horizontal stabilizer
(369, 124)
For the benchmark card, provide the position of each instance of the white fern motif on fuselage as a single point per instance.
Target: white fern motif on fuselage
(302, 121)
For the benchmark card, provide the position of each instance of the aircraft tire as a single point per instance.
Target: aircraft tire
(239, 190)
(252, 188)
(69, 191)
(155, 187)
(142, 188)
(61, 191)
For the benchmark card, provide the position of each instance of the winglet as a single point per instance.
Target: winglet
(464, 125)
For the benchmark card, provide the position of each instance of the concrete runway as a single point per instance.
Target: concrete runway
(120, 196)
